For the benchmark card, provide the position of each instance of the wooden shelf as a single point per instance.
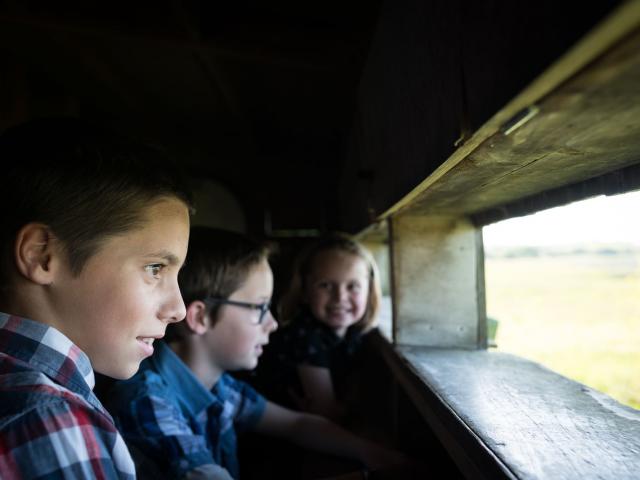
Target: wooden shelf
(501, 416)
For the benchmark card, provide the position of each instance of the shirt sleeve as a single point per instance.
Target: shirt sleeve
(63, 438)
(161, 436)
(207, 472)
(249, 404)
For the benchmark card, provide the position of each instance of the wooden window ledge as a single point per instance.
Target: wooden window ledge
(501, 416)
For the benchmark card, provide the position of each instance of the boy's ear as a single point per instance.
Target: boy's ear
(197, 319)
(36, 252)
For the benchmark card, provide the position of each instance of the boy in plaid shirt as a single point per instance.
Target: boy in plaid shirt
(93, 233)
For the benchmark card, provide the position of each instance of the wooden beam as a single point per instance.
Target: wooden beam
(589, 106)
(620, 181)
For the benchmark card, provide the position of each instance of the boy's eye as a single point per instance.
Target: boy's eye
(354, 286)
(154, 269)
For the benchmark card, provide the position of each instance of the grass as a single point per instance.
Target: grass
(577, 314)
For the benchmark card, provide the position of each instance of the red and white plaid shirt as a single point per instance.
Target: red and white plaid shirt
(51, 423)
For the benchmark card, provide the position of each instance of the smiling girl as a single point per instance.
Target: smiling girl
(331, 303)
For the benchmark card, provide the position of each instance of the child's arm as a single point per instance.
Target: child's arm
(318, 393)
(207, 472)
(318, 433)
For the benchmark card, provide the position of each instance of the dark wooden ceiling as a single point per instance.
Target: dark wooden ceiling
(314, 114)
(257, 95)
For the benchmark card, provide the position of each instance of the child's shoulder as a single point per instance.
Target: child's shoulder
(33, 407)
(162, 373)
(229, 386)
(145, 383)
(239, 400)
(42, 401)
(38, 415)
(25, 390)
(143, 400)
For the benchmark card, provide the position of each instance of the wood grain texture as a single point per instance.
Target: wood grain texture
(588, 127)
(477, 175)
(411, 118)
(435, 266)
(536, 422)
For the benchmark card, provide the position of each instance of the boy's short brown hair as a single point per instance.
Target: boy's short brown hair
(293, 300)
(85, 183)
(218, 263)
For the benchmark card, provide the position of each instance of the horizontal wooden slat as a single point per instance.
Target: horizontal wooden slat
(533, 422)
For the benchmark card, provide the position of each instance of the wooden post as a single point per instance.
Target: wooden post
(438, 281)
(376, 240)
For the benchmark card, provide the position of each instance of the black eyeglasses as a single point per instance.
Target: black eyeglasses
(263, 308)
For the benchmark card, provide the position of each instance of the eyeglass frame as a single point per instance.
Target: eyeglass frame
(263, 308)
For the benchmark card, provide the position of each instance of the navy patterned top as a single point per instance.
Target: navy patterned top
(305, 341)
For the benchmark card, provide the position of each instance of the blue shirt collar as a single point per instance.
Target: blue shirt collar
(193, 395)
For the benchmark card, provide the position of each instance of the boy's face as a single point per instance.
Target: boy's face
(337, 289)
(235, 341)
(127, 292)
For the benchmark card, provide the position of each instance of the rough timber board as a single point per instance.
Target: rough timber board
(538, 423)
(595, 83)
(435, 281)
(588, 127)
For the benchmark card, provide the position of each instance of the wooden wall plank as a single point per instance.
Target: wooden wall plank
(436, 283)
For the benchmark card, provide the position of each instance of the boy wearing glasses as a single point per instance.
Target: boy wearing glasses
(180, 413)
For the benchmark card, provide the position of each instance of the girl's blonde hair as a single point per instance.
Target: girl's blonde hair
(293, 300)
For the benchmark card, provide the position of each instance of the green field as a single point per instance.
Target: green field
(577, 314)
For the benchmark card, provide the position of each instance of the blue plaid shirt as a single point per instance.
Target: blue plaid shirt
(51, 423)
(170, 419)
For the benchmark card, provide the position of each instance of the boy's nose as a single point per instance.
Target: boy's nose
(181, 312)
(175, 308)
(270, 323)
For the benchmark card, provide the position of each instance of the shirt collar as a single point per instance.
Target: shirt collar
(47, 350)
(193, 394)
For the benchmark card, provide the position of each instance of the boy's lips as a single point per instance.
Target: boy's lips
(260, 346)
(147, 343)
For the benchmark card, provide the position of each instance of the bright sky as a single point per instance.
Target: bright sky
(614, 219)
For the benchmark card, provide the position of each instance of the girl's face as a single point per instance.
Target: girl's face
(337, 289)
(236, 339)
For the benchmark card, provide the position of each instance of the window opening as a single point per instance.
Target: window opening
(563, 289)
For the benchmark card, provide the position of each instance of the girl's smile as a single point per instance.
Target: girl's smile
(337, 289)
